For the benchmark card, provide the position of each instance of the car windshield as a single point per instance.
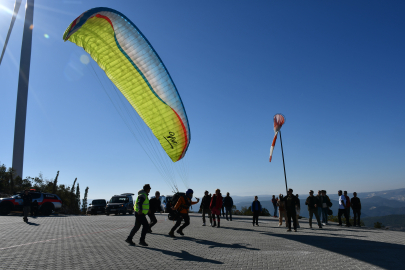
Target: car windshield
(118, 200)
(16, 196)
(99, 202)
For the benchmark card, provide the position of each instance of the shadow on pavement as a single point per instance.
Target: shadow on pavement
(186, 256)
(32, 223)
(384, 255)
(212, 244)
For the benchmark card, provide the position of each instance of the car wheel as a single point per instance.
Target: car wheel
(46, 209)
(107, 214)
(130, 212)
(5, 209)
(124, 212)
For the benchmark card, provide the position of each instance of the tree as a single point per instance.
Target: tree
(265, 212)
(55, 183)
(78, 196)
(378, 225)
(84, 204)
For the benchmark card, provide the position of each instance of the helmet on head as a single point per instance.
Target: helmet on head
(189, 192)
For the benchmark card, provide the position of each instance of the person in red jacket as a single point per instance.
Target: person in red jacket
(215, 206)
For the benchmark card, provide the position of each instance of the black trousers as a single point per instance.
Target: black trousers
(292, 214)
(140, 220)
(356, 214)
(228, 209)
(178, 222)
(343, 212)
(256, 217)
(223, 211)
(153, 219)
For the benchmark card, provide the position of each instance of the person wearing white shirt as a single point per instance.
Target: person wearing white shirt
(342, 209)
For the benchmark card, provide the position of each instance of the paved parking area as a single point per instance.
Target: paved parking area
(97, 242)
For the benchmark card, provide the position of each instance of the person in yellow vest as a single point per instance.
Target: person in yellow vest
(141, 210)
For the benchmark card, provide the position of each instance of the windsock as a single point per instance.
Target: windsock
(278, 123)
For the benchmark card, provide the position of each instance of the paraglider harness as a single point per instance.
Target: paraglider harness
(174, 214)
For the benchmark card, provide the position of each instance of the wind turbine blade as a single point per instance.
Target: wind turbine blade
(16, 9)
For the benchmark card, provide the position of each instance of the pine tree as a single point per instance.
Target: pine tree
(84, 204)
(55, 183)
(78, 196)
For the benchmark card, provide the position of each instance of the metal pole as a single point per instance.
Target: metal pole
(22, 95)
(285, 176)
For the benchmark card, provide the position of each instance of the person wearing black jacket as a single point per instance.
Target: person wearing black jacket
(312, 203)
(154, 206)
(27, 200)
(290, 203)
(205, 207)
(228, 203)
(356, 206)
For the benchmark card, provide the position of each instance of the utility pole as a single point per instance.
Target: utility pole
(22, 95)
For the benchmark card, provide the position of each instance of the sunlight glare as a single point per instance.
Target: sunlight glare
(84, 59)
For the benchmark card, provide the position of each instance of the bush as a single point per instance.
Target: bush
(378, 225)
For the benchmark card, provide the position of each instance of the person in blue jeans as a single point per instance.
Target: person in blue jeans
(228, 203)
(274, 201)
(256, 209)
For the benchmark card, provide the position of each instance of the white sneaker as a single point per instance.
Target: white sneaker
(279, 225)
(203, 224)
(324, 224)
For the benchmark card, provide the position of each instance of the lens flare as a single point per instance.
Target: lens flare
(84, 59)
(46, 36)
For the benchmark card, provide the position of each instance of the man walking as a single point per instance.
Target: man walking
(141, 210)
(256, 209)
(154, 206)
(356, 206)
(290, 204)
(228, 203)
(27, 200)
(274, 201)
(312, 203)
(205, 207)
(342, 209)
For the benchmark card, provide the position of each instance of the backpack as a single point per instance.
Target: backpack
(174, 214)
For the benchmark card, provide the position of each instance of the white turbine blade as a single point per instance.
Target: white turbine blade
(16, 9)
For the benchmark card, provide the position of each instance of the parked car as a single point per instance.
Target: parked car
(47, 203)
(123, 203)
(97, 207)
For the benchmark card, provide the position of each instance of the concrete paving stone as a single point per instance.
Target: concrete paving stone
(97, 242)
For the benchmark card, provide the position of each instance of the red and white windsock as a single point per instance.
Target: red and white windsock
(278, 123)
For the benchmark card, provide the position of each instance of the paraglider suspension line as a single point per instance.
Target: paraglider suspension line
(282, 153)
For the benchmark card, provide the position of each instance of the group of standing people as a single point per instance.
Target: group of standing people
(345, 203)
(212, 205)
(318, 205)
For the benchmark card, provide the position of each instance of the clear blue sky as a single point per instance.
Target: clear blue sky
(335, 69)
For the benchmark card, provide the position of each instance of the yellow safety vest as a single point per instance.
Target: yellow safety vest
(145, 205)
